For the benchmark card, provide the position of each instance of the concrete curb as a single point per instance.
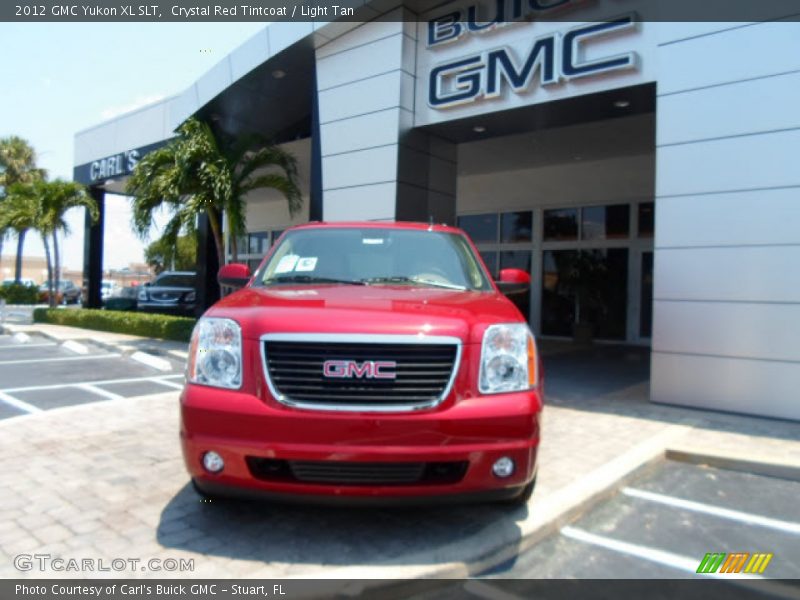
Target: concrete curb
(758, 465)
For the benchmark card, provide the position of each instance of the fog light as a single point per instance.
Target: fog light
(503, 467)
(213, 462)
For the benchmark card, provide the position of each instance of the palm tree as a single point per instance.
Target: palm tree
(20, 213)
(17, 165)
(42, 206)
(56, 198)
(198, 173)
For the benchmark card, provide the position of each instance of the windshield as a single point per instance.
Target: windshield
(374, 257)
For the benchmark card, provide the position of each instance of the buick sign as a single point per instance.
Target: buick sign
(554, 57)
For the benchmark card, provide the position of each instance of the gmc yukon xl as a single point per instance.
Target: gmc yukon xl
(364, 362)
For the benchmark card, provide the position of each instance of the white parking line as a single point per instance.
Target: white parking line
(688, 564)
(61, 359)
(75, 347)
(676, 561)
(24, 406)
(100, 392)
(58, 386)
(152, 361)
(169, 384)
(709, 509)
(18, 346)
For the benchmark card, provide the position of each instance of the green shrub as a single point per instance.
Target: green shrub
(17, 293)
(164, 327)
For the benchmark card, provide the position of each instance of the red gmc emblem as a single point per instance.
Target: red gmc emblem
(369, 369)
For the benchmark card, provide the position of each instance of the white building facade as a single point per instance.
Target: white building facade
(657, 160)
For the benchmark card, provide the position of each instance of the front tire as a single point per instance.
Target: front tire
(524, 496)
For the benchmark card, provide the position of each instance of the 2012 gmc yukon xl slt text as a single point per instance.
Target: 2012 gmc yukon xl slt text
(364, 362)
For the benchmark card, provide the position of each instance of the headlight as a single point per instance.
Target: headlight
(142, 295)
(215, 353)
(508, 359)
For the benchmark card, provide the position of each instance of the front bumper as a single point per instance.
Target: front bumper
(476, 431)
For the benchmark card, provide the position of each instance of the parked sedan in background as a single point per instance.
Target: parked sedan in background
(68, 293)
(123, 299)
(172, 292)
(108, 289)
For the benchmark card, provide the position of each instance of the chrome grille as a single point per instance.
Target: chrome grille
(424, 373)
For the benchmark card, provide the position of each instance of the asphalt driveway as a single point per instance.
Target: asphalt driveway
(664, 524)
(39, 374)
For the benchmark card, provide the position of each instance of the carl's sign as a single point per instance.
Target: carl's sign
(114, 166)
(111, 167)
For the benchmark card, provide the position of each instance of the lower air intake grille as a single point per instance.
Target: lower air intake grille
(357, 473)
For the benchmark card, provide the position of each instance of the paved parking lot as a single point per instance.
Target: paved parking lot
(106, 479)
(663, 524)
(39, 374)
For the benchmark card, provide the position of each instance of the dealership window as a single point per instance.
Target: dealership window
(605, 222)
(516, 227)
(504, 240)
(591, 265)
(258, 243)
(560, 224)
(480, 228)
(647, 219)
(254, 246)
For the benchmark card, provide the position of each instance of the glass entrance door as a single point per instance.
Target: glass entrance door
(587, 287)
(590, 265)
(646, 303)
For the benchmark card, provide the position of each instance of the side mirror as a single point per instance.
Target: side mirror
(514, 281)
(234, 275)
(516, 276)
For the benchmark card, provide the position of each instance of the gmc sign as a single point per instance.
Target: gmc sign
(369, 369)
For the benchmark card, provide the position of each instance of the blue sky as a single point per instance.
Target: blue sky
(59, 78)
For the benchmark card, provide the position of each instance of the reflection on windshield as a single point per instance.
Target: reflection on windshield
(354, 256)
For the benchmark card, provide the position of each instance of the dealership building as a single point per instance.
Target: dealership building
(645, 173)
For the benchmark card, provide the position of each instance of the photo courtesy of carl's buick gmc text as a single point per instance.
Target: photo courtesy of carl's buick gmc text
(400, 299)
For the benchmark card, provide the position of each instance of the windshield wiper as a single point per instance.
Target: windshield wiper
(404, 279)
(310, 279)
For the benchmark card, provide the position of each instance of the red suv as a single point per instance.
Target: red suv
(364, 362)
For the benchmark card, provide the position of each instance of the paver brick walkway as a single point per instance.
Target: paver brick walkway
(107, 481)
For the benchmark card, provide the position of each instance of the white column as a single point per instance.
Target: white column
(727, 284)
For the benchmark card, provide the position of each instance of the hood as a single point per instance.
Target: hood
(366, 309)
(168, 288)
